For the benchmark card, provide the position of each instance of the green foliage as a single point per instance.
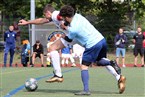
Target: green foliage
(105, 15)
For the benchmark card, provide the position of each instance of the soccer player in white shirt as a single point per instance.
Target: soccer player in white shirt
(51, 15)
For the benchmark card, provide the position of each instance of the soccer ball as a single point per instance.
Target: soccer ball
(31, 84)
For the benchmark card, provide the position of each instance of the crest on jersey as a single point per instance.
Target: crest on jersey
(55, 35)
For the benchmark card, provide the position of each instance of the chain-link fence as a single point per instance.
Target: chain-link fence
(42, 32)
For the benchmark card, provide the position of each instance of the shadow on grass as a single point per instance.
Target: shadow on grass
(70, 91)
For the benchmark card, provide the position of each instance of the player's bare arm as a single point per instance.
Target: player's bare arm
(36, 21)
(133, 41)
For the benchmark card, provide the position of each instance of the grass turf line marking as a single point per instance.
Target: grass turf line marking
(11, 93)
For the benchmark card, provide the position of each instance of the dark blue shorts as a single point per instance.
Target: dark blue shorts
(96, 52)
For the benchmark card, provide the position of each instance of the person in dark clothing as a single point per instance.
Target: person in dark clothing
(120, 42)
(10, 40)
(138, 41)
(37, 52)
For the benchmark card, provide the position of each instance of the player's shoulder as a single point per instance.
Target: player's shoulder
(7, 31)
(54, 15)
(14, 32)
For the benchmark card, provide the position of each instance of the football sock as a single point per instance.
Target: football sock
(80, 59)
(85, 79)
(56, 63)
(113, 72)
(72, 59)
(66, 61)
(62, 62)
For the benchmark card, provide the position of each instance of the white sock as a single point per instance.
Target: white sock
(113, 72)
(72, 59)
(56, 62)
(66, 61)
(62, 62)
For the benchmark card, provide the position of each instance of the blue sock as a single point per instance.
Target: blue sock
(85, 79)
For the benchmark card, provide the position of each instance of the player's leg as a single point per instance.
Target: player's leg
(135, 56)
(6, 51)
(48, 60)
(142, 57)
(66, 60)
(55, 58)
(88, 57)
(12, 52)
(42, 60)
(85, 78)
(62, 60)
(123, 51)
(80, 57)
(33, 58)
(117, 55)
(112, 67)
(70, 56)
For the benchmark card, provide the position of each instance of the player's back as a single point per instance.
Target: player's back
(83, 31)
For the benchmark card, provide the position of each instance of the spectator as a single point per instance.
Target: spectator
(66, 54)
(120, 41)
(25, 52)
(10, 39)
(37, 52)
(138, 41)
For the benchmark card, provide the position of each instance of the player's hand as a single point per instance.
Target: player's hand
(63, 26)
(63, 35)
(123, 40)
(22, 22)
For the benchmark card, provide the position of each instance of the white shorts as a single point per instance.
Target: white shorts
(65, 55)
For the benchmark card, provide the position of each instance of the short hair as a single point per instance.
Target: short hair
(121, 28)
(48, 7)
(67, 11)
(37, 41)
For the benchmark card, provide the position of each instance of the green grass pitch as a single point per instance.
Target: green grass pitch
(102, 84)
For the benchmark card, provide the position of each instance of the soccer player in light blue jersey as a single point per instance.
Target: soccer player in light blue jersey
(88, 36)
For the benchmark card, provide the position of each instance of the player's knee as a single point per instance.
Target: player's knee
(84, 67)
(86, 63)
(5, 53)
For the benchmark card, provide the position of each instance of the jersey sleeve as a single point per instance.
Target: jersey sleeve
(5, 36)
(71, 34)
(134, 37)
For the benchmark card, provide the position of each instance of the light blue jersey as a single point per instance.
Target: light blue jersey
(83, 31)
